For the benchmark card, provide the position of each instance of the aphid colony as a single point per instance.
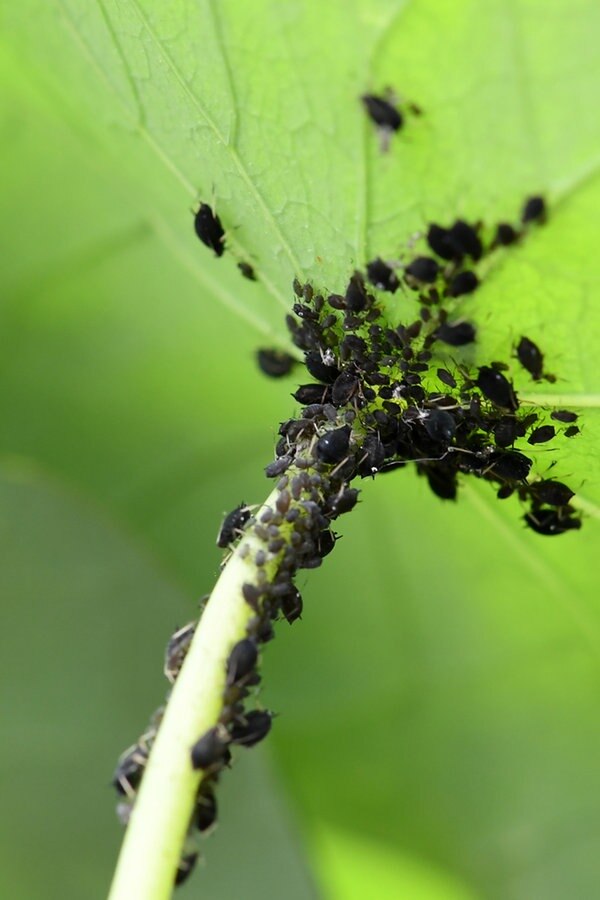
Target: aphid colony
(383, 396)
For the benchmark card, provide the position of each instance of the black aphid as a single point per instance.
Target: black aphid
(274, 363)
(242, 660)
(322, 371)
(505, 234)
(509, 465)
(497, 388)
(344, 502)
(465, 240)
(232, 525)
(442, 481)
(382, 276)
(440, 425)
(291, 604)
(206, 808)
(457, 334)
(382, 112)
(251, 728)
(464, 283)
(542, 434)
(534, 210)
(551, 521)
(185, 867)
(356, 295)
(438, 239)
(563, 415)
(252, 594)
(307, 394)
(571, 431)
(332, 447)
(247, 271)
(554, 493)
(446, 377)
(531, 357)
(505, 431)
(344, 388)
(130, 769)
(423, 269)
(278, 467)
(209, 229)
(211, 748)
(177, 649)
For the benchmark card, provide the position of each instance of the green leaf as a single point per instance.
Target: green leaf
(439, 698)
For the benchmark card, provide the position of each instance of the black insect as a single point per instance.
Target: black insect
(278, 467)
(232, 525)
(465, 240)
(509, 465)
(275, 363)
(252, 594)
(372, 456)
(464, 283)
(209, 229)
(442, 481)
(423, 269)
(531, 357)
(440, 425)
(563, 415)
(332, 447)
(319, 369)
(247, 271)
(541, 435)
(211, 748)
(130, 769)
(307, 394)
(344, 502)
(291, 604)
(456, 334)
(506, 431)
(571, 431)
(253, 727)
(439, 241)
(554, 493)
(382, 112)
(242, 660)
(505, 234)
(344, 388)
(206, 808)
(551, 521)
(356, 296)
(382, 276)
(446, 377)
(185, 867)
(177, 649)
(497, 388)
(534, 210)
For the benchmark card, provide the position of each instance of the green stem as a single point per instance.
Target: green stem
(163, 807)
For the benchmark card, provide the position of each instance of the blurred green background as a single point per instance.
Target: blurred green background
(439, 734)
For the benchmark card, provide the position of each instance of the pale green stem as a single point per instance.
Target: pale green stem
(164, 804)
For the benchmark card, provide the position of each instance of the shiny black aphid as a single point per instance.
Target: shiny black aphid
(274, 363)
(232, 526)
(209, 229)
(252, 728)
(457, 334)
(571, 431)
(382, 276)
(541, 435)
(332, 447)
(242, 660)
(423, 269)
(497, 388)
(344, 388)
(440, 425)
(210, 749)
(247, 271)
(531, 357)
(326, 542)
(563, 415)
(510, 465)
(308, 394)
(291, 604)
(185, 867)
(463, 283)
(534, 210)
(382, 112)
(344, 502)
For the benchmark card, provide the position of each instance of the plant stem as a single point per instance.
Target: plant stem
(163, 807)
